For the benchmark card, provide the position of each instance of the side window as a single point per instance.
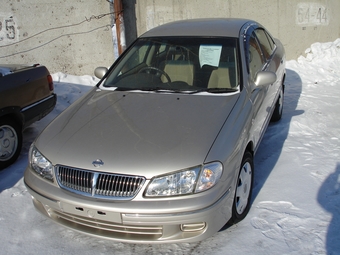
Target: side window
(255, 58)
(266, 42)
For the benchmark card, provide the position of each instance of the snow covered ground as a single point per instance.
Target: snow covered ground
(296, 203)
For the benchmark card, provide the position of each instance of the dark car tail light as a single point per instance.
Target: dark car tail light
(50, 82)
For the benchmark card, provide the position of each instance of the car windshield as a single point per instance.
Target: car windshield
(178, 64)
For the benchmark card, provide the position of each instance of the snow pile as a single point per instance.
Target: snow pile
(4, 71)
(296, 197)
(321, 63)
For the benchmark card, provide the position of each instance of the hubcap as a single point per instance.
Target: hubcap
(243, 188)
(8, 142)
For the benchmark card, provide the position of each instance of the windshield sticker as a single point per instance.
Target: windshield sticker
(210, 55)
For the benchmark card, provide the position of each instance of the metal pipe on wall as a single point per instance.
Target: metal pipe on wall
(120, 28)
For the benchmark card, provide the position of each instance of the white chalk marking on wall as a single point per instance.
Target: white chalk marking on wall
(9, 32)
(312, 14)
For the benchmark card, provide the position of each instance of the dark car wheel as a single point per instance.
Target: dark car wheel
(10, 142)
(243, 190)
(277, 114)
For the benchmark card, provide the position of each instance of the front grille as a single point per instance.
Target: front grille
(99, 184)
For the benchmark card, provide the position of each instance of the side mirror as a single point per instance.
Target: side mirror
(99, 72)
(265, 78)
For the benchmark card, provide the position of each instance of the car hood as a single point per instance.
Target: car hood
(136, 133)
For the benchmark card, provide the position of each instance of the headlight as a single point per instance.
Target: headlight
(185, 182)
(40, 164)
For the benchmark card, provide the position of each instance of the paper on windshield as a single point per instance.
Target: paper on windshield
(210, 55)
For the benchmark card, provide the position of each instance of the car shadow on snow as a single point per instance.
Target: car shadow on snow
(67, 93)
(273, 140)
(329, 199)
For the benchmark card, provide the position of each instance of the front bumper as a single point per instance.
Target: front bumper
(126, 222)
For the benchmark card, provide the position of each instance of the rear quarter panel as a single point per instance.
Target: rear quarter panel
(23, 88)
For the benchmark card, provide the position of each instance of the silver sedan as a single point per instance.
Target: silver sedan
(162, 149)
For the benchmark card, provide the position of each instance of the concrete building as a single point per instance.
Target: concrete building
(296, 23)
(75, 36)
(67, 36)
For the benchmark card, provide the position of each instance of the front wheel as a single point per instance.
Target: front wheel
(243, 191)
(10, 142)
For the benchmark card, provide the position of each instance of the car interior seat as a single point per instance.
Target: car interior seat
(225, 76)
(178, 65)
(179, 70)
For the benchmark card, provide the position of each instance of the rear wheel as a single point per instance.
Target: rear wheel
(10, 142)
(243, 191)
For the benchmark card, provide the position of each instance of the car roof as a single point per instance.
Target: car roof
(229, 27)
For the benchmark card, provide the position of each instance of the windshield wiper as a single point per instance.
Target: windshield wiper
(216, 90)
(125, 88)
(183, 91)
(156, 89)
(166, 90)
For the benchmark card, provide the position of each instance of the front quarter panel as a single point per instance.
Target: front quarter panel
(232, 140)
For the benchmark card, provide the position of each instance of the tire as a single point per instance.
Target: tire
(10, 142)
(277, 114)
(243, 189)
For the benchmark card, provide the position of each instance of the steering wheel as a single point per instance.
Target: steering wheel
(158, 72)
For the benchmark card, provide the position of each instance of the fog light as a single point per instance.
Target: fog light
(192, 227)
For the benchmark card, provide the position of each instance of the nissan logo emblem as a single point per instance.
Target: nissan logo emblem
(98, 163)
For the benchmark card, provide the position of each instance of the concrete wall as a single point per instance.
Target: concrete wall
(75, 36)
(67, 36)
(296, 23)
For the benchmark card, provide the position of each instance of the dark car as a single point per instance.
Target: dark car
(26, 96)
